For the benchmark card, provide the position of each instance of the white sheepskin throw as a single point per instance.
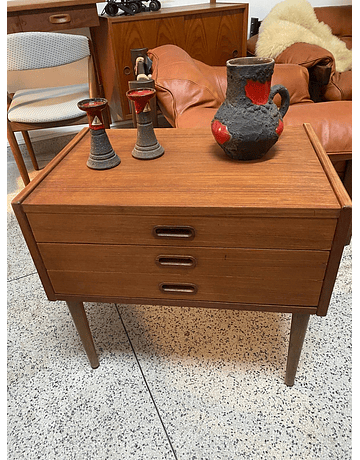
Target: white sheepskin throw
(294, 21)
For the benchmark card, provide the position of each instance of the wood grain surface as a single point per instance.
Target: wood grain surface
(194, 177)
(240, 232)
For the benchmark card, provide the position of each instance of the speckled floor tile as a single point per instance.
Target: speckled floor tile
(19, 261)
(58, 406)
(45, 150)
(218, 379)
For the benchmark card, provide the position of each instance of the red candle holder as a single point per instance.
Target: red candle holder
(102, 155)
(147, 147)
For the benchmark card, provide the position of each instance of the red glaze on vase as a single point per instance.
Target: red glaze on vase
(248, 123)
(220, 132)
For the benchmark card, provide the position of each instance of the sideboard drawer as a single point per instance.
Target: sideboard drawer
(13, 24)
(48, 20)
(237, 275)
(241, 232)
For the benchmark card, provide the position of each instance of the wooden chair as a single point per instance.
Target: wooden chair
(30, 109)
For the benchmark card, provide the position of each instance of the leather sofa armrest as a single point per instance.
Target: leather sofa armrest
(183, 82)
(306, 55)
(326, 84)
(318, 61)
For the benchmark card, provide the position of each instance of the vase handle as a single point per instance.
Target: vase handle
(285, 98)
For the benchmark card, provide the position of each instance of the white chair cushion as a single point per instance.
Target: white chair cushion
(44, 105)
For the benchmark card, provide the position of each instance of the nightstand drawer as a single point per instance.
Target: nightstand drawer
(13, 24)
(242, 232)
(228, 275)
(53, 20)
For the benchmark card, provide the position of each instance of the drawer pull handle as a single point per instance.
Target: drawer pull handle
(180, 288)
(161, 231)
(60, 18)
(176, 261)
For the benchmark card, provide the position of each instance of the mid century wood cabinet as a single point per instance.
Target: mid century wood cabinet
(191, 228)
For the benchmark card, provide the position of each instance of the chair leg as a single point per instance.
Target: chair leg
(17, 155)
(30, 149)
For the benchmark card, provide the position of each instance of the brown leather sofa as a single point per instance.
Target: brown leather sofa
(327, 83)
(189, 93)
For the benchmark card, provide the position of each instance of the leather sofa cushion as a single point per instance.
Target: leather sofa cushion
(183, 83)
(339, 19)
(340, 85)
(331, 122)
(296, 79)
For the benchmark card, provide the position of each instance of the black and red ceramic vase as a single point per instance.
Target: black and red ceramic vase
(102, 155)
(147, 146)
(249, 123)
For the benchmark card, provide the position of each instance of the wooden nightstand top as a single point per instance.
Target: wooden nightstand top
(193, 177)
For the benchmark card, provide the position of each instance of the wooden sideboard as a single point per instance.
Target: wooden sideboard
(191, 228)
(211, 33)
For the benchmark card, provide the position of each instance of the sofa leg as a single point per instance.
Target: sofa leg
(348, 178)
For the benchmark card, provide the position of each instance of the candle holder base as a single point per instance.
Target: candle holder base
(102, 155)
(148, 153)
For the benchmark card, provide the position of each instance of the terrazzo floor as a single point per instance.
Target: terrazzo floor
(173, 383)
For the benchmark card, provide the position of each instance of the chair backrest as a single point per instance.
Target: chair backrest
(39, 50)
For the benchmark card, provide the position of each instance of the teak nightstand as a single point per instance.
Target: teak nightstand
(191, 228)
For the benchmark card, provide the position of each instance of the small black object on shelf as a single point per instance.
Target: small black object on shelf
(130, 7)
(254, 26)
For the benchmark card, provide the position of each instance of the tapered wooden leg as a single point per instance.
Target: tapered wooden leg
(79, 317)
(17, 155)
(30, 149)
(299, 324)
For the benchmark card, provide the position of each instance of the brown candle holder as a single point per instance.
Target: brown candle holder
(102, 155)
(147, 147)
